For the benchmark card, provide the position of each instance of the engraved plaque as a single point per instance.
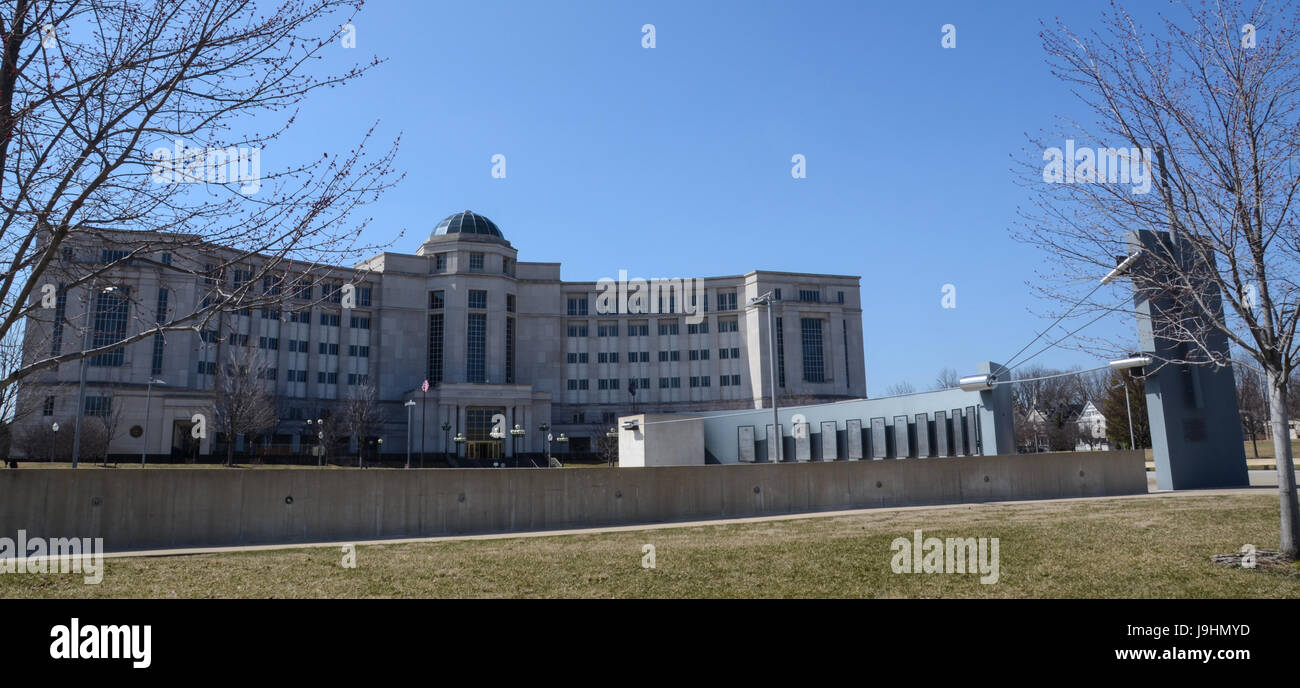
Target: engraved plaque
(922, 435)
(802, 442)
(878, 450)
(972, 431)
(853, 438)
(958, 434)
(773, 443)
(830, 447)
(745, 443)
(901, 448)
(941, 433)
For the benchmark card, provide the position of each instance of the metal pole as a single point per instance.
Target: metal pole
(424, 421)
(1132, 443)
(148, 393)
(771, 371)
(408, 436)
(81, 393)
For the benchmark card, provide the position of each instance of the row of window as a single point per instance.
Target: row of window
(476, 262)
(323, 377)
(644, 356)
(664, 382)
(669, 327)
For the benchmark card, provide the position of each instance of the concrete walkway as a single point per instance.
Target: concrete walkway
(1154, 494)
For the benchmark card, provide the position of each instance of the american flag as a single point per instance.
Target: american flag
(424, 387)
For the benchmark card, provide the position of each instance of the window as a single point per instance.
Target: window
(166, 258)
(363, 296)
(510, 303)
(325, 378)
(111, 255)
(436, 300)
(326, 349)
(727, 300)
(776, 294)
(477, 298)
(813, 364)
(329, 319)
(238, 339)
(578, 384)
(728, 381)
(110, 326)
(298, 346)
(780, 353)
(670, 383)
(208, 336)
(271, 285)
(358, 379)
(297, 376)
(209, 273)
(510, 351)
(272, 343)
(300, 317)
(156, 362)
(439, 262)
(304, 290)
(607, 384)
(839, 296)
(99, 406)
(670, 356)
(577, 330)
(668, 327)
(810, 295)
(242, 277)
(243, 312)
(577, 357)
(507, 266)
(607, 357)
(735, 352)
(476, 262)
(359, 350)
(644, 357)
(360, 322)
(638, 329)
(697, 328)
(577, 305)
(476, 348)
(643, 383)
(47, 409)
(270, 314)
(607, 330)
(699, 354)
(207, 368)
(268, 374)
(728, 325)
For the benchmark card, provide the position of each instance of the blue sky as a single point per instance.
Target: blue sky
(675, 161)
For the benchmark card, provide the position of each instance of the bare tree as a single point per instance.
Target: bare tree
(359, 416)
(127, 136)
(1252, 403)
(1209, 122)
(898, 389)
(946, 379)
(244, 399)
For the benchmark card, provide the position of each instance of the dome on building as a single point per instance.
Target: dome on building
(468, 223)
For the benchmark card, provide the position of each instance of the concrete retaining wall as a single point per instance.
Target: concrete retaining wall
(157, 508)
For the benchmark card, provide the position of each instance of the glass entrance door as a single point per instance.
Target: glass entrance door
(478, 432)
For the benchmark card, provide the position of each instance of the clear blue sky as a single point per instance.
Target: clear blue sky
(675, 161)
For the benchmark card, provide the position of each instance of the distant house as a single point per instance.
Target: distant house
(1092, 429)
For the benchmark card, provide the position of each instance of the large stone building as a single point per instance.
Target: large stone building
(495, 338)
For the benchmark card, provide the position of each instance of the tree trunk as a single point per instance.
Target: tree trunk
(1277, 407)
(1253, 443)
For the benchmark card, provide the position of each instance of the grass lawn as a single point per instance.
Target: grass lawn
(1124, 547)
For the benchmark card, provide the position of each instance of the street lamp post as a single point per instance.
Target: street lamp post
(410, 405)
(765, 299)
(81, 392)
(546, 428)
(613, 435)
(148, 393)
(446, 439)
(517, 433)
(55, 429)
(459, 439)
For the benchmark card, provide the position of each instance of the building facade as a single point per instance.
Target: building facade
(502, 343)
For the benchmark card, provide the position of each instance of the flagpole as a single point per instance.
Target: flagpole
(424, 417)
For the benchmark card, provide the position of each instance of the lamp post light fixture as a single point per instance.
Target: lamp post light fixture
(766, 299)
(1128, 364)
(81, 392)
(446, 444)
(410, 405)
(459, 439)
(54, 427)
(148, 393)
(546, 430)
